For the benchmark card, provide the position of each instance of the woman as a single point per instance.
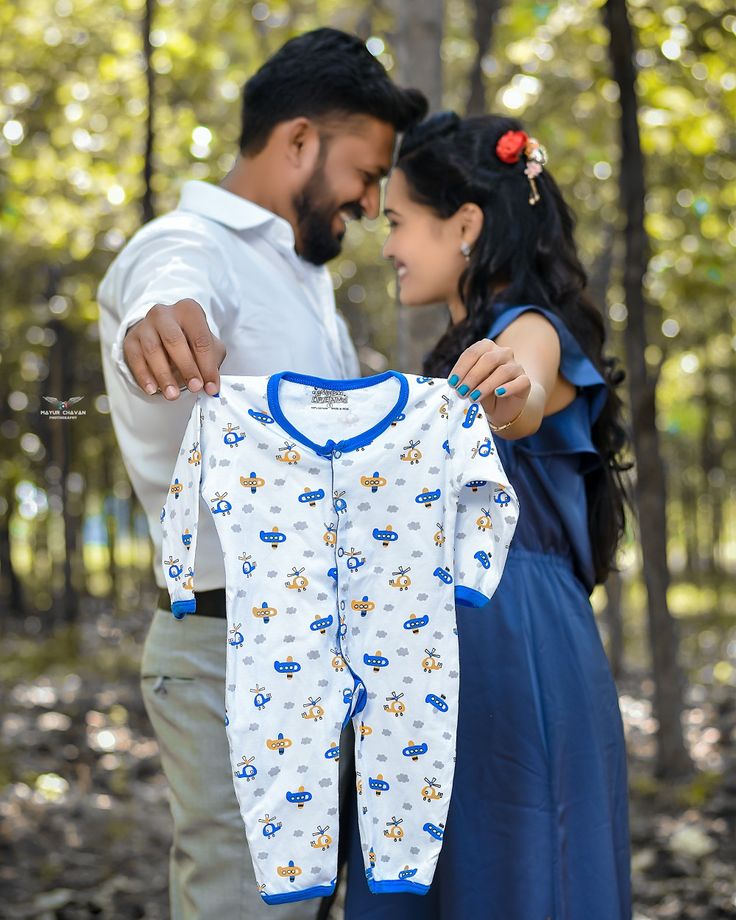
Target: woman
(538, 821)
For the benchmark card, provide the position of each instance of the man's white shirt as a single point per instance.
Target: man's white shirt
(273, 311)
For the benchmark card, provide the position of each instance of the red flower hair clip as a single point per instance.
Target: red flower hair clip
(510, 148)
(511, 145)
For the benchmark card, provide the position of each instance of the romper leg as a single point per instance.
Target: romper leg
(182, 680)
(285, 713)
(404, 751)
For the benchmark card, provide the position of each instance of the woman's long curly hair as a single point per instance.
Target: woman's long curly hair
(524, 255)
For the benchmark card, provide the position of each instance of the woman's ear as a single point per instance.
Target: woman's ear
(470, 218)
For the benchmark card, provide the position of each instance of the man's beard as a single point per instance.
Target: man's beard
(315, 213)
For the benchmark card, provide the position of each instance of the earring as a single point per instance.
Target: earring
(465, 249)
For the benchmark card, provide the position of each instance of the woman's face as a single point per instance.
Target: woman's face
(424, 248)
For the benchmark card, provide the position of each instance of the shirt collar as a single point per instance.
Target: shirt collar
(233, 211)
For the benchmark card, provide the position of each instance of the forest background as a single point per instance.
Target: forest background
(105, 110)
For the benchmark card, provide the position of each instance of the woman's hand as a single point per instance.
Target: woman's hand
(489, 373)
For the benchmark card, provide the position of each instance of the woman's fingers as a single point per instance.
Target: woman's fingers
(477, 364)
(520, 386)
(464, 365)
(507, 380)
(486, 371)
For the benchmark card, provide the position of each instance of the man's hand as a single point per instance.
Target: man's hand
(172, 347)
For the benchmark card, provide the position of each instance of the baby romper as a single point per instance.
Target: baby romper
(352, 515)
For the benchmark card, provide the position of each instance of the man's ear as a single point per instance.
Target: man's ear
(471, 219)
(300, 140)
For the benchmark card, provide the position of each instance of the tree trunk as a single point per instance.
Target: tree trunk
(109, 509)
(672, 756)
(61, 381)
(11, 586)
(418, 41)
(10, 583)
(689, 512)
(615, 624)
(485, 14)
(148, 203)
(599, 277)
(710, 462)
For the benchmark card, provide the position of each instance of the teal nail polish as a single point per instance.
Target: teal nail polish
(453, 380)
(463, 389)
(475, 394)
(500, 391)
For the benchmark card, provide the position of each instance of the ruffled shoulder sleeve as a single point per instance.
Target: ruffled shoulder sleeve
(569, 430)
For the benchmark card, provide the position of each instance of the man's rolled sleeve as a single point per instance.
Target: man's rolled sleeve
(173, 264)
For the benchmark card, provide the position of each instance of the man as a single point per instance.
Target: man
(235, 277)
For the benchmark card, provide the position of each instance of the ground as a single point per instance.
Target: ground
(84, 822)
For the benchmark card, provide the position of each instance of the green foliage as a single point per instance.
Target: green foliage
(73, 120)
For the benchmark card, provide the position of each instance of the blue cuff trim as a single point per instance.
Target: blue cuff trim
(181, 608)
(286, 897)
(395, 885)
(469, 597)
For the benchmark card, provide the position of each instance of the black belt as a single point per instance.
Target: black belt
(209, 603)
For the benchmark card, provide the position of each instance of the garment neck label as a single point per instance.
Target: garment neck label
(323, 398)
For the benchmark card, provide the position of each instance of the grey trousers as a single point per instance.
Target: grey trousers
(183, 684)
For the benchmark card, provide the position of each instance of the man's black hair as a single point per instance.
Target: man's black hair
(323, 73)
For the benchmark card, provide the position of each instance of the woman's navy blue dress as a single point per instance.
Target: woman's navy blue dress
(538, 823)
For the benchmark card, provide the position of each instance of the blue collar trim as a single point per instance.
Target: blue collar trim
(326, 450)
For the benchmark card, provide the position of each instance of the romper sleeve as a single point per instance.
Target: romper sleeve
(180, 518)
(487, 506)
